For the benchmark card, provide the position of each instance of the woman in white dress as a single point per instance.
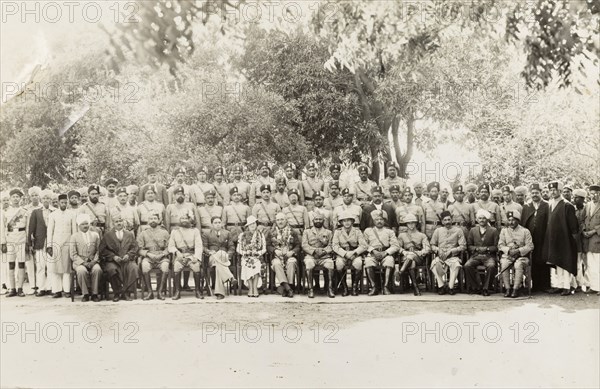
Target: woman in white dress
(251, 246)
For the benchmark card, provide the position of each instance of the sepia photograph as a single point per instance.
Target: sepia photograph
(300, 194)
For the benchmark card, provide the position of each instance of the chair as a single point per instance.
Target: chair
(528, 281)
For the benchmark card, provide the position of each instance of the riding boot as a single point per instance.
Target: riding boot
(197, 286)
(344, 283)
(148, 286)
(186, 278)
(355, 277)
(329, 283)
(388, 272)
(309, 279)
(161, 285)
(413, 279)
(176, 285)
(371, 276)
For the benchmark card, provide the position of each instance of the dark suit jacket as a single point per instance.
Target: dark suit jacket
(161, 194)
(110, 246)
(36, 233)
(210, 241)
(366, 220)
(536, 223)
(489, 240)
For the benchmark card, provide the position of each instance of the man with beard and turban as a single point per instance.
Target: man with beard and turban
(535, 219)
(515, 243)
(471, 193)
(447, 243)
(560, 245)
(118, 250)
(153, 243)
(96, 209)
(484, 203)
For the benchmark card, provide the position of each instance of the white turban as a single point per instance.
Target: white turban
(484, 213)
(46, 193)
(34, 190)
(82, 218)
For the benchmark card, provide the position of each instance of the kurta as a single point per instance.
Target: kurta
(61, 225)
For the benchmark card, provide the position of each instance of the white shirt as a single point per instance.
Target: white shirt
(119, 234)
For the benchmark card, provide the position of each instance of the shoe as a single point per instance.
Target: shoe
(234, 283)
(386, 291)
(330, 293)
(515, 293)
(311, 294)
(57, 295)
(12, 293)
(565, 292)
(442, 290)
(85, 298)
(507, 293)
(20, 292)
(485, 292)
(116, 298)
(373, 292)
(290, 293)
(95, 298)
(452, 292)
(220, 297)
(40, 293)
(149, 297)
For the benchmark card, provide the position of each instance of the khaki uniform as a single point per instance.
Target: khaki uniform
(404, 209)
(353, 209)
(313, 239)
(280, 198)
(362, 190)
(186, 244)
(154, 241)
(331, 203)
(243, 189)
(255, 189)
(343, 242)
(387, 182)
(310, 186)
(297, 217)
(131, 220)
(187, 193)
(517, 238)
(265, 213)
(489, 206)
(415, 246)
(234, 218)
(293, 183)
(326, 217)
(461, 216)
(508, 207)
(98, 213)
(174, 213)
(145, 209)
(223, 198)
(381, 239)
(198, 189)
(206, 213)
(433, 209)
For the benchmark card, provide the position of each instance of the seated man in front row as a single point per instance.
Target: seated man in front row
(382, 244)
(483, 245)
(118, 249)
(186, 244)
(83, 251)
(349, 244)
(515, 243)
(283, 242)
(447, 243)
(316, 244)
(153, 242)
(415, 247)
(218, 244)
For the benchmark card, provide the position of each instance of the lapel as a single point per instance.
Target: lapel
(556, 206)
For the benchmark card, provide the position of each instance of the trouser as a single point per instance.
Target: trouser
(540, 274)
(439, 268)
(370, 261)
(593, 270)
(520, 265)
(42, 279)
(342, 263)
(89, 279)
(472, 273)
(220, 262)
(122, 276)
(562, 279)
(582, 278)
(16, 258)
(61, 282)
(162, 264)
(285, 270)
(180, 262)
(30, 269)
(310, 262)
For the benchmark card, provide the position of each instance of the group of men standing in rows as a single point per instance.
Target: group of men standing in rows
(336, 224)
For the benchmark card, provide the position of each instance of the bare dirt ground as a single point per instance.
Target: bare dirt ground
(383, 341)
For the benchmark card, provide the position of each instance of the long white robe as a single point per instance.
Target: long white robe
(61, 225)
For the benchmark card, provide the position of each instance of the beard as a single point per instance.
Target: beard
(180, 200)
(153, 224)
(318, 224)
(94, 200)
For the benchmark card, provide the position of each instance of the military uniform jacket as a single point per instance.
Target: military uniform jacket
(344, 241)
(129, 213)
(198, 189)
(222, 189)
(280, 198)
(313, 238)
(433, 209)
(293, 183)
(15, 224)
(187, 241)
(146, 208)
(592, 222)
(489, 206)
(449, 238)
(243, 189)
(255, 189)
(342, 182)
(153, 240)
(389, 213)
(387, 182)
(362, 190)
(108, 202)
(206, 213)
(175, 211)
(235, 214)
(415, 241)
(97, 212)
(297, 216)
(266, 212)
(310, 186)
(187, 193)
(331, 203)
(517, 238)
(354, 209)
(403, 209)
(381, 239)
(461, 213)
(214, 240)
(161, 193)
